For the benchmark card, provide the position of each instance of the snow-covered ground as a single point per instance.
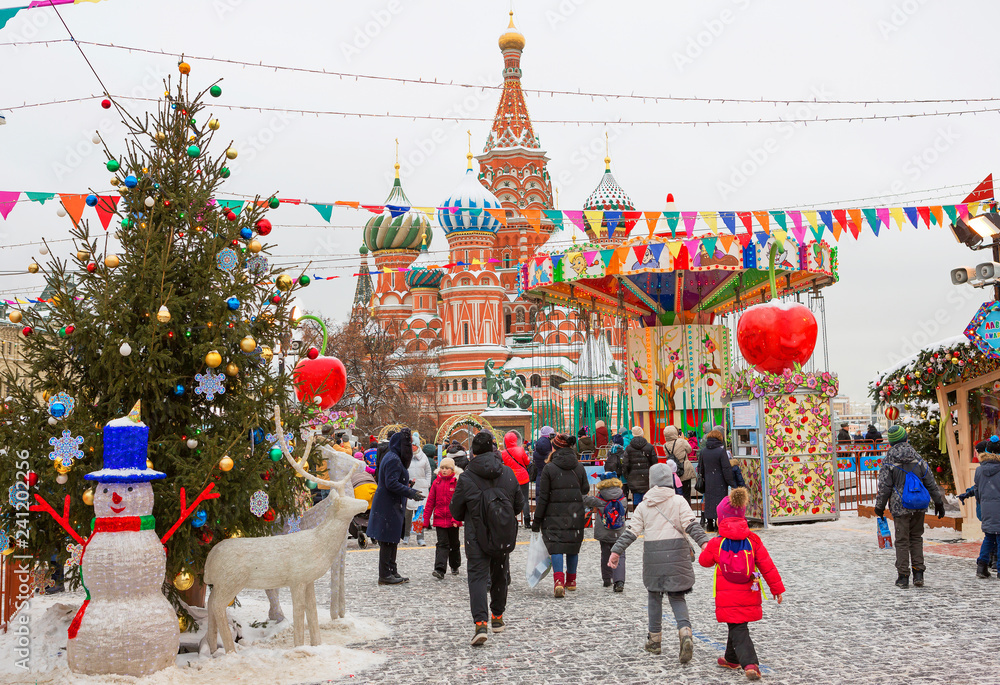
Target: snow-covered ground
(265, 655)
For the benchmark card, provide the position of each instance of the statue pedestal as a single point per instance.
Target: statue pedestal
(505, 420)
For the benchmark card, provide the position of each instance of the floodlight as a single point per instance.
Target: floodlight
(986, 225)
(963, 275)
(964, 234)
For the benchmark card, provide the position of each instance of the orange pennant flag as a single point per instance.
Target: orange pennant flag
(348, 203)
(836, 228)
(534, 217)
(651, 219)
(622, 254)
(857, 221)
(726, 240)
(500, 215)
(938, 213)
(764, 219)
(614, 264)
(74, 205)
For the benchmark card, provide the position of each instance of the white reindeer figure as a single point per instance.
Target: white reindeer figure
(295, 561)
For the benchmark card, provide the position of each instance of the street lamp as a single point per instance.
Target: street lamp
(971, 232)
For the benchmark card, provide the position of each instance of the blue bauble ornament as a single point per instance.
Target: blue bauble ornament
(246, 233)
(57, 409)
(233, 303)
(179, 389)
(257, 436)
(91, 200)
(199, 518)
(131, 181)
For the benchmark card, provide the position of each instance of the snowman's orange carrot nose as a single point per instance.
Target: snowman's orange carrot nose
(116, 498)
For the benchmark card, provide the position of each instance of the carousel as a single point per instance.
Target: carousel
(683, 301)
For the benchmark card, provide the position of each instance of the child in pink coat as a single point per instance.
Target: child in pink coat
(437, 511)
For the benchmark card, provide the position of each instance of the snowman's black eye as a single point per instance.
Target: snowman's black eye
(130, 489)
(105, 489)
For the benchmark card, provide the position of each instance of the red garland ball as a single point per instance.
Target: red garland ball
(230, 216)
(263, 226)
(91, 267)
(269, 514)
(892, 413)
(69, 330)
(31, 479)
(939, 469)
(312, 353)
(105, 103)
(276, 299)
(27, 330)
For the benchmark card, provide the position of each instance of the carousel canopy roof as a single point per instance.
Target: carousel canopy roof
(675, 280)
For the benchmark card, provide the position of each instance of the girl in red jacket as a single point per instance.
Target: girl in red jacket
(740, 559)
(437, 510)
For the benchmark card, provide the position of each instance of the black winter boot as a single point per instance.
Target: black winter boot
(918, 578)
(903, 581)
(982, 570)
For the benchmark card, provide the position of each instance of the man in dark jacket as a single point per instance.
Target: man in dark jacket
(639, 458)
(385, 523)
(986, 489)
(873, 434)
(909, 523)
(843, 435)
(487, 574)
(714, 466)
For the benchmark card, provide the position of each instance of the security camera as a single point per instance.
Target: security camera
(963, 275)
(988, 271)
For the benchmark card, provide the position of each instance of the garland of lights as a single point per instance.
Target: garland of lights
(920, 379)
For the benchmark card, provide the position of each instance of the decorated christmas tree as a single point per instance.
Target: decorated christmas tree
(172, 304)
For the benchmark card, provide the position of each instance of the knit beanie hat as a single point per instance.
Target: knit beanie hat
(562, 441)
(733, 506)
(636, 431)
(618, 440)
(993, 445)
(482, 443)
(447, 462)
(359, 456)
(661, 475)
(897, 434)
(416, 438)
(547, 431)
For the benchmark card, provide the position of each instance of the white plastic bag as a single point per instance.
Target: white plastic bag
(539, 561)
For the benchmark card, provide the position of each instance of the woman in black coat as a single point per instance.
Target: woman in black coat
(559, 510)
(714, 467)
(385, 522)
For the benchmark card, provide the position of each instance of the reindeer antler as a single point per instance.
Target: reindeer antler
(336, 485)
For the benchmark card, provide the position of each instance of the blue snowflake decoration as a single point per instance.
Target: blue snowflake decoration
(272, 440)
(294, 525)
(227, 259)
(66, 448)
(254, 357)
(17, 493)
(209, 384)
(258, 265)
(4, 541)
(61, 405)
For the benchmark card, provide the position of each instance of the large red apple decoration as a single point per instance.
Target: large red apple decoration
(775, 336)
(323, 377)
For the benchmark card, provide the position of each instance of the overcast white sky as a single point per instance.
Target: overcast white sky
(894, 293)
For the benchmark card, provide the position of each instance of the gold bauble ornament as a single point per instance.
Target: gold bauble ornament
(183, 580)
(184, 68)
(61, 466)
(149, 464)
(268, 390)
(88, 497)
(15, 316)
(265, 352)
(163, 314)
(111, 261)
(232, 369)
(182, 623)
(82, 255)
(33, 268)
(214, 124)
(237, 533)
(255, 246)
(248, 344)
(213, 359)
(115, 180)
(226, 464)
(160, 136)
(284, 282)
(231, 153)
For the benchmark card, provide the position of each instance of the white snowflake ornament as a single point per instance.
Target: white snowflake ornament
(259, 503)
(209, 384)
(66, 448)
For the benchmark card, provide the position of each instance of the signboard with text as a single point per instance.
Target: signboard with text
(984, 330)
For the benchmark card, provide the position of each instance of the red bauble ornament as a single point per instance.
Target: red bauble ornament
(269, 514)
(91, 267)
(939, 469)
(70, 329)
(776, 336)
(263, 226)
(323, 377)
(105, 103)
(230, 216)
(27, 330)
(892, 413)
(276, 299)
(31, 479)
(207, 537)
(312, 353)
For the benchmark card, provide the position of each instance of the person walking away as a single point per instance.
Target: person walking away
(437, 512)
(679, 451)
(740, 559)
(457, 452)
(664, 519)
(487, 498)
(714, 467)
(584, 443)
(517, 459)
(639, 458)
(559, 511)
(612, 507)
(601, 435)
(987, 552)
(385, 523)
(873, 435)
(543, 447)
(906, 483)
(420, 475)
(987, 491)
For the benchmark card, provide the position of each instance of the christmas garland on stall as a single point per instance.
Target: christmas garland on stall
(748, 382)
(919, 377)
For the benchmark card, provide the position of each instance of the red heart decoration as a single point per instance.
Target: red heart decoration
(323, 377)
(775, 336)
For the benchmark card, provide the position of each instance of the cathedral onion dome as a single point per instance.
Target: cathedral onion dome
(422, 277)
(512, 39)
(608, 195)
(472, 199)
(363, 250)
(398, 227)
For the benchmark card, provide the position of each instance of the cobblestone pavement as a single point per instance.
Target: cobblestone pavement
(843, 620)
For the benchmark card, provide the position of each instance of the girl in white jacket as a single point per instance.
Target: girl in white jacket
(420, 475)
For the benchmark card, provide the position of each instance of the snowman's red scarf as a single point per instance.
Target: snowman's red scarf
(107, 524)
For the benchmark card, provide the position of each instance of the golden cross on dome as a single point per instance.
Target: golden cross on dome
(469, 155)
(397, 158)
(607, 152)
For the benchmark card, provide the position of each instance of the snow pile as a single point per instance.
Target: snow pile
(265, 655)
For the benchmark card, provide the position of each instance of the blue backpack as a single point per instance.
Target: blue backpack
(613, 514)
(914, 494)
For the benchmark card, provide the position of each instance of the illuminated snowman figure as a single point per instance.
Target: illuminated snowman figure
(126, 626)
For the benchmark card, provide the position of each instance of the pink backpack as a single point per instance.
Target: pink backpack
(736, 561)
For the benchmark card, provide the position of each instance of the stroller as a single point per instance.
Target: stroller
(364, 488)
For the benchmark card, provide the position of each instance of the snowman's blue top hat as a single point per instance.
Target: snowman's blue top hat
(125, 445)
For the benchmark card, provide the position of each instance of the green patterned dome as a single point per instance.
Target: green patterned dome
(398, 227)
(422, 277)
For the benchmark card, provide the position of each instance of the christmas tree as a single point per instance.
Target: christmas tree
(179, 309)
